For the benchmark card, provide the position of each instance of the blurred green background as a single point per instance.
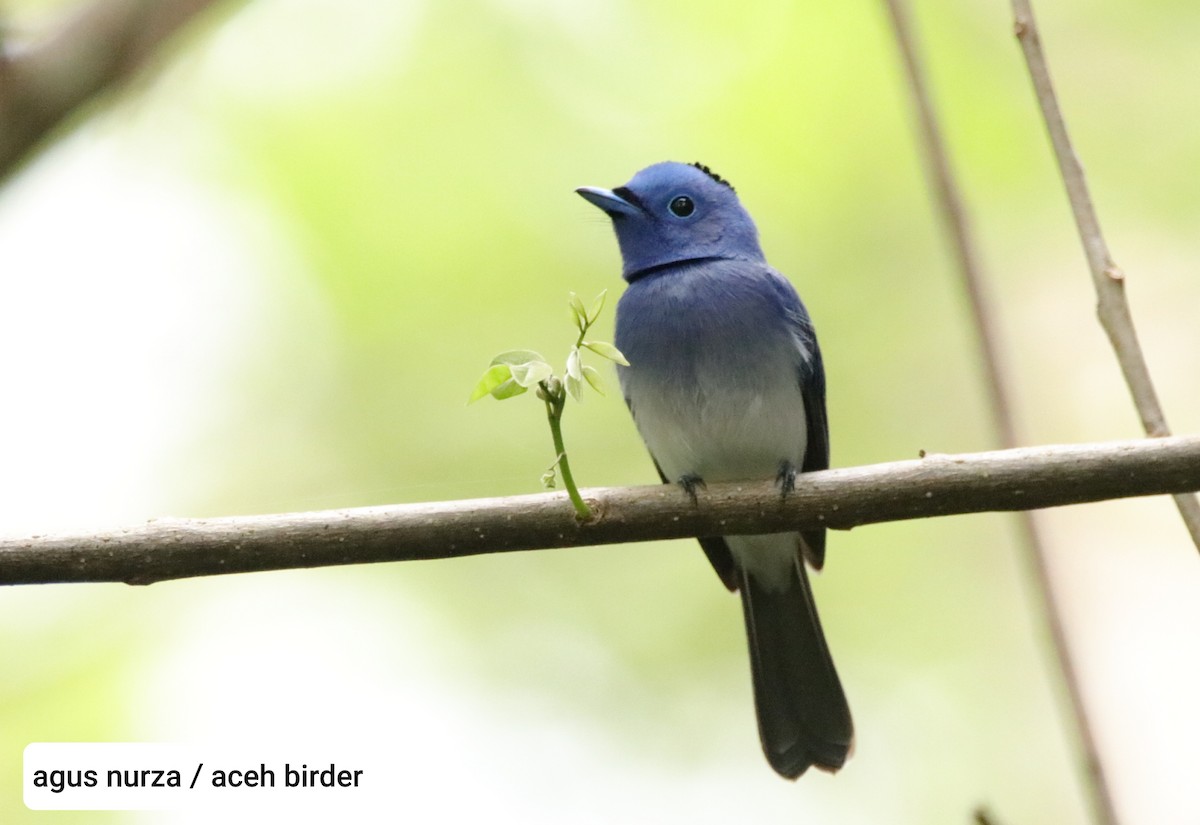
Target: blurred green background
(266, 278)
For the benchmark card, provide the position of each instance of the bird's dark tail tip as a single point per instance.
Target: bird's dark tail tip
(803, 718)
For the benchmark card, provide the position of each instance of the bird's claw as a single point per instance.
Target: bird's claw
(786, 479)
(690, 483)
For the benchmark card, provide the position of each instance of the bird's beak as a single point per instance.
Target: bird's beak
(609, 201)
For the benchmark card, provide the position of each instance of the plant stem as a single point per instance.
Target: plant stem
(554, 410)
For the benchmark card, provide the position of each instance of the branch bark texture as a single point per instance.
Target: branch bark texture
(1112, 307)
(102, 45)
(936, 485)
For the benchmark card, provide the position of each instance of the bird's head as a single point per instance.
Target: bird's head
(674, 212)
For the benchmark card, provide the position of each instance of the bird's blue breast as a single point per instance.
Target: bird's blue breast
(717, 356)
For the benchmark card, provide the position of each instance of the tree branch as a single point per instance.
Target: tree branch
(100, 47)
(936, 485)
(1112, 308)
(957, 227)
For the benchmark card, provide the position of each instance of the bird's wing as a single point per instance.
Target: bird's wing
(812, 390)
(816, 453)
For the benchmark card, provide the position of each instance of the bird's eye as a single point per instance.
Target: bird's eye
(682, 206)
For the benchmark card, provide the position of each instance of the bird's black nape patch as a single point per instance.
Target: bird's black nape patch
(712, 174)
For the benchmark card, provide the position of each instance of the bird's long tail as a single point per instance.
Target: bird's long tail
(803, 718)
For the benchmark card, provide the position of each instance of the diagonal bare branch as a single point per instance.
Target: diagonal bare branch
(956, 223)
(937, 485)
(1112, 307)
(99, 47)
(957, 228)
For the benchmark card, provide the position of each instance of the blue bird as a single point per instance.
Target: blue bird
(726, 384)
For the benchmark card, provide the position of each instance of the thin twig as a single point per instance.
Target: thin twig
(958, 231)
(555, 404)
(936, 485)
(102, 44)
(1112, 307)
(956, 222)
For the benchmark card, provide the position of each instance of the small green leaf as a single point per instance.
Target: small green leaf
(593, 377)
(577, 311)
(606, 350)
(507, 390)
(529, 374)
(496, 375)
(548, 479)
(575, 388)
(517, 356)
(597, 305)
(574, 365)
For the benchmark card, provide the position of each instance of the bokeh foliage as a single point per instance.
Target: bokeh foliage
(400, 180)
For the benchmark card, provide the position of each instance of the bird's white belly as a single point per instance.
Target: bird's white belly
(726, 437)
(720, 435)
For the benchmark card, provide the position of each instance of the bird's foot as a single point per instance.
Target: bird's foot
(786, 479)
(690, 483)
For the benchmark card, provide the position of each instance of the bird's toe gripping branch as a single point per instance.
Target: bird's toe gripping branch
(690, 483)
(786, 479)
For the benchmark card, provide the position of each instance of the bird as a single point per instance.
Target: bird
(726, 383)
